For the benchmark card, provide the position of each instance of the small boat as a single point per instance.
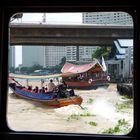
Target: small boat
(50, 98)
(86, 76)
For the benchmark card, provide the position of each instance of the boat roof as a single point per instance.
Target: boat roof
(34, 77)
(69, 68)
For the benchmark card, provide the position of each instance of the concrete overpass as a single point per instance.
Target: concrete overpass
(45, 34)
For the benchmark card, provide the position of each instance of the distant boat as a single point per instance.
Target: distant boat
(39, 73)
(49, 99)
(86, 76)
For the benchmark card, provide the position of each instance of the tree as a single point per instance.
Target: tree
(103, 51)
(36, 67)
(12, 69)
(31, 69)
(24, 69)
(63, 61)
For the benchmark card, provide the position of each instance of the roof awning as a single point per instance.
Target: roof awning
(125, 42)
(120, 50)
(34, 77)
(120, 56)
(122, 44)
(69, 69)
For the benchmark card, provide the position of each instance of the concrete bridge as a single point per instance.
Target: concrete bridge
(45, 34)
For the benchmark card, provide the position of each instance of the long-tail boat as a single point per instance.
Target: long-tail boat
(50, 98)
(86, 76)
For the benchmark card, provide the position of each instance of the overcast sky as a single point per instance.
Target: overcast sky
(51, 18)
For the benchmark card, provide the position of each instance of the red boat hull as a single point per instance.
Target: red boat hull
(85, 84)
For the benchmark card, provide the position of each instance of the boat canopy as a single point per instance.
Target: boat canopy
(72, 69)
(67, 70)
(34, 77)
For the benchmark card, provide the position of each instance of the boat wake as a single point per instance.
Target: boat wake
(102, 108)
(69, 110)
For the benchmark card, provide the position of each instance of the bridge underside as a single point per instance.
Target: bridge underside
(63, 41)
(44, 35)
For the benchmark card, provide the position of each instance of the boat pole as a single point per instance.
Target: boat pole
(77, 104)
(27, 82)
(42, 82)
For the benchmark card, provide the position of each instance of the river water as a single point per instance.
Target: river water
(99, 114)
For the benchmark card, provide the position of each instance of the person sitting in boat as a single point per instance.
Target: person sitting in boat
(81, 77)
(62, 89)
(36, 89)
(12, 85)
(42, 90)
(51, 86)
(30, 88)
(62, 85)
(46, 90)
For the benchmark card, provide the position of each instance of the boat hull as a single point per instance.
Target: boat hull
(86, 85)
(48, 99)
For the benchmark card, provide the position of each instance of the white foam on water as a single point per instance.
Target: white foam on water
(102, 108)
(69, 110)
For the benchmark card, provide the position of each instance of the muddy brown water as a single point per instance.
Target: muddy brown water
(99, 109)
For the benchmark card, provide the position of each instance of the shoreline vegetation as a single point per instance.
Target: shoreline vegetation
(105, 112)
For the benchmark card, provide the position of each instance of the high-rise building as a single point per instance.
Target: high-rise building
(119, 18)
(71, 53)
(54, 54)
(80, 53)
(32, 55)
(85, 52)
(11, 56)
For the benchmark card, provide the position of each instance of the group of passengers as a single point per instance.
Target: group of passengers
(59, 90)
(51, 88)
(37, 90)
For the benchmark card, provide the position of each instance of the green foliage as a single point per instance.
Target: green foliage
(90, 100)
(122, 122)
(36, 67)
(121, 106)
(73, 117)
(30, 69)
(114, 130)
(56, 68)
(93, 123)
(103, 51)
(12, 69)
(125, 105)
(86, 114)
(126, 97)
(63, 61)
(77, 116)
(121, 127)
(24, 69)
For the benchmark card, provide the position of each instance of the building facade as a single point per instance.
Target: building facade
(54, 54)
(32, 55)
(122, 64)
(85, 53)
(11, 56)
(121, 18)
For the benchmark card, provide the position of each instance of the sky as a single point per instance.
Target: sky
(51, 18)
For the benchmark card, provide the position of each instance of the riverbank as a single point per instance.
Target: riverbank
(103, 109)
